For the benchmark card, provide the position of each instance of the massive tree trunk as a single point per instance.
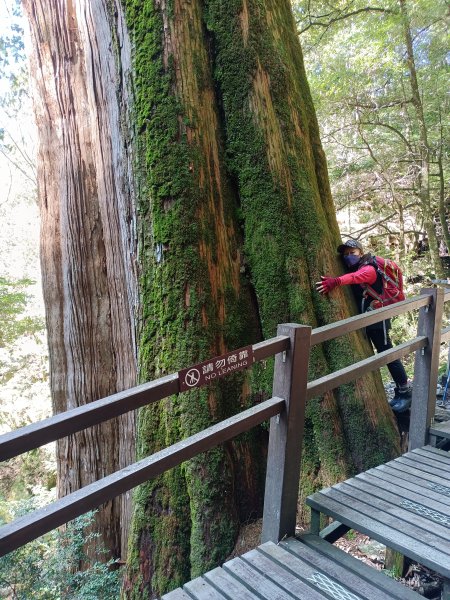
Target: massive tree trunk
(87, 234)
(229, 141)
(235, 223)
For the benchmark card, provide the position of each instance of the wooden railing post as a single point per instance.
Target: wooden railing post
(286, 435)
(426, 368)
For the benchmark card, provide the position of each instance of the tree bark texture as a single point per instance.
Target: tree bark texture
(88, 240)
(196, 302)
(443, 202)
(234, 189)
(235, 223)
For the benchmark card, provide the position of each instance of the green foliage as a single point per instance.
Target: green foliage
(355, 56)
(21, 475)
(49, 568)
(13, 303)
(16, 141)
(13, 68)
(21, 338)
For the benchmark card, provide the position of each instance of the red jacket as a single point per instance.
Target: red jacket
(366, 274)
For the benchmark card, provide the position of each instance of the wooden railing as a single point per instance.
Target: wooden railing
(286, 409)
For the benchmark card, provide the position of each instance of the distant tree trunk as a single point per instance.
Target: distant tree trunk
(402, 237)
(443, 202)
(87, 234)
(235, 223)
(427, 209)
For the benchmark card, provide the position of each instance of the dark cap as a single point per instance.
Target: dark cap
(349, 244)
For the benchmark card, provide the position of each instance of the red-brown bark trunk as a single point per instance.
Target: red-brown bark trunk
(87, 233)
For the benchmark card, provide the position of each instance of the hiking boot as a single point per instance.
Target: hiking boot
(402, 405)
(401, 402)
(395, 399)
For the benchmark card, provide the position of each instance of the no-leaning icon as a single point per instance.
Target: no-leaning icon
(192, 377)
(208, 371)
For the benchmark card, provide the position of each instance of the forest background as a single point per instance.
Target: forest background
(381, 95)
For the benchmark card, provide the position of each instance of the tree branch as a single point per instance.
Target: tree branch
(375, 106)
(340, 17)
(17, 166)
(392, 128)
(367, 228)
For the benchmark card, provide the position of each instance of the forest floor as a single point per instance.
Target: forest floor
(417, 577)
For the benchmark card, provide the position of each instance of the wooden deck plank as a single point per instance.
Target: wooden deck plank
(200, 589)
(425, 463)
(309, 562)
(425, 489)
(292, 582)
(393, 515)
(397, 540)
(383, 581)
(229, 585)
(422, 465)
(314, 570)
(434, 450)
(404, 468)
(396, 494)
(441, 429)
(428, 458)
(437, 453)
(257, 581)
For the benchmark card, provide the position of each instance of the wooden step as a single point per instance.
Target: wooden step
(403, 504)
(306, 568)
(441, 430)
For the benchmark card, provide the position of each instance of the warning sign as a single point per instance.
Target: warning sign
(210, 370)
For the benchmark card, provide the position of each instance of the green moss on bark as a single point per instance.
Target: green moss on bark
(290, 227)
(273, 183)
(186, 521)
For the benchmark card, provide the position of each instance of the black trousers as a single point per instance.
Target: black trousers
(381, 342)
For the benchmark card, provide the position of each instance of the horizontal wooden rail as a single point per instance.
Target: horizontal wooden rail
(445, 335)
(62, 424)
(270, 347)
(356, 370)
(58, 426)
(334, 330)
(30, 527)
(48, 430)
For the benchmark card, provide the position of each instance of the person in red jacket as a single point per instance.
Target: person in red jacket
(361, 272)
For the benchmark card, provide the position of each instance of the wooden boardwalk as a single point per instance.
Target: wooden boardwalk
(405, 504)
(441, 430)
(306, 568)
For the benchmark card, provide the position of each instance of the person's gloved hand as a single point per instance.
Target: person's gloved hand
(327, 284)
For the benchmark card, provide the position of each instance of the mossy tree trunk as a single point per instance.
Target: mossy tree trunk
(196, 300)
(235, 223)
(236, 181)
